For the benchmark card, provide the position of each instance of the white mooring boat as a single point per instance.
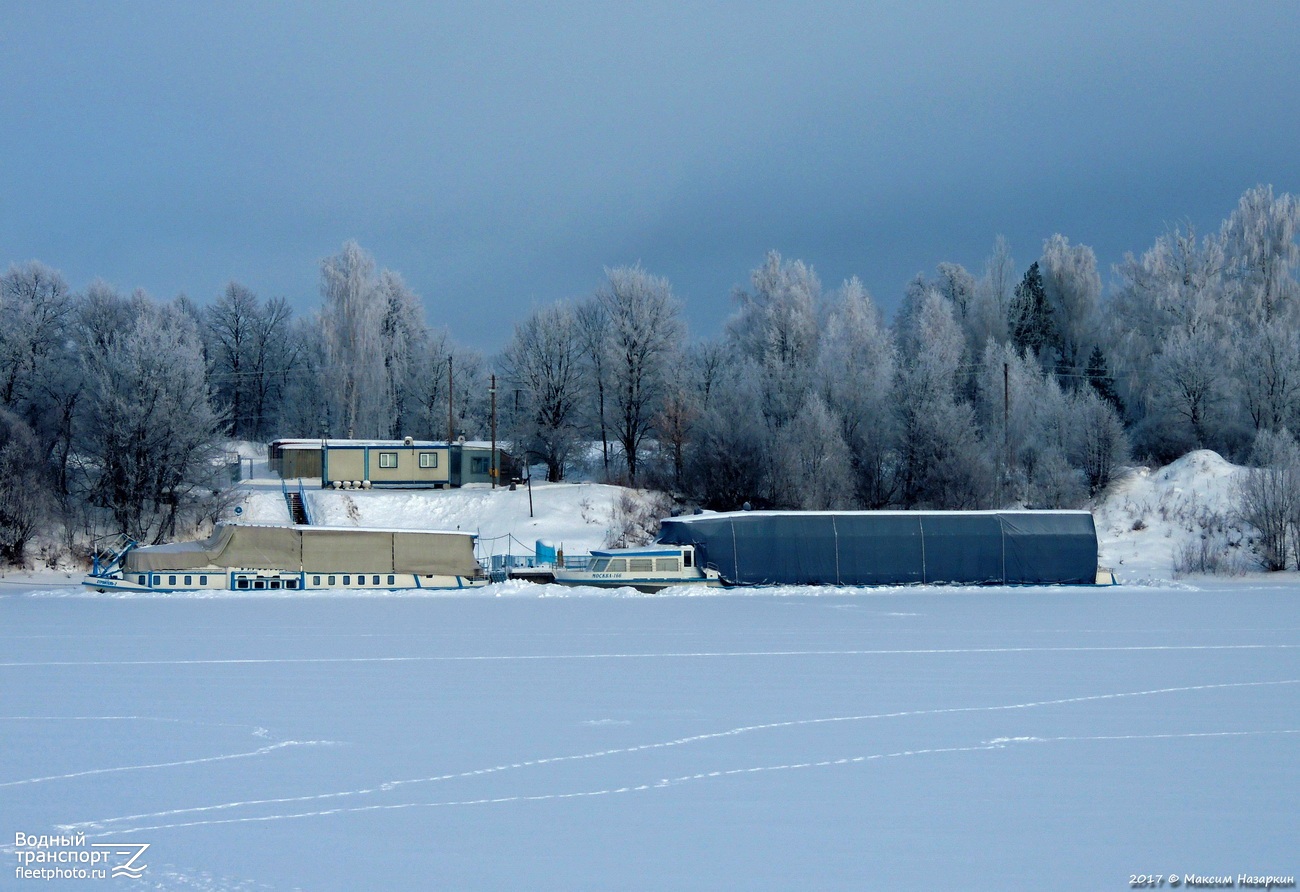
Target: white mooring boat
(646, 569)
(253, 558)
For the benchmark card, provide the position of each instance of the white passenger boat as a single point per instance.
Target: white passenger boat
(647, 569)
(253, 558)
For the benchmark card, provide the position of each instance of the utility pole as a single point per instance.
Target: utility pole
(1006, 426)
(494, 465)
(451, 411)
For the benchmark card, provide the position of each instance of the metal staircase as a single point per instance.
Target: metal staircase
(296, 500)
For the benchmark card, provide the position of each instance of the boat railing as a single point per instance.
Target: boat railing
(498, 554)
(107, 555)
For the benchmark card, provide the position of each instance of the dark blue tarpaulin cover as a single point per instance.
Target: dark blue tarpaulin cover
(892, 547)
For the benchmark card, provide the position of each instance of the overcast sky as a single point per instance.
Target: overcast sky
(500, 156)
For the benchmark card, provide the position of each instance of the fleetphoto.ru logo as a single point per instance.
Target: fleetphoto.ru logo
(129, 850)
(59, 857)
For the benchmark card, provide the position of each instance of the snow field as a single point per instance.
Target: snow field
(839, 741)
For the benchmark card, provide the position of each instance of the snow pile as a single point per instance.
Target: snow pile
(1150, 518)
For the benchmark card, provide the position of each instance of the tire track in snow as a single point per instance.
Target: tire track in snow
(260, 751)
(997, 744)
(672, 655)
(667, 744)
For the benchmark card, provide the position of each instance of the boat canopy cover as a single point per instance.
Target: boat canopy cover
(315, 549)
(892, 547)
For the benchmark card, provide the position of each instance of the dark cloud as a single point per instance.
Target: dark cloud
(500, 156)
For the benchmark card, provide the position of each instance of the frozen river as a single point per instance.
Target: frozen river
(923, 738)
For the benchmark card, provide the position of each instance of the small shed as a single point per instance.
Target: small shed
(295, 458)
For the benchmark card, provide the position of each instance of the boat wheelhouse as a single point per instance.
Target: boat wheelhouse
(253, 558)
(647, 569)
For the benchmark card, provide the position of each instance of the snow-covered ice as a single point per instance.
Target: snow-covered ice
(552, 738)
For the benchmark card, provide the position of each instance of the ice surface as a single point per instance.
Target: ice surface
(551, 738)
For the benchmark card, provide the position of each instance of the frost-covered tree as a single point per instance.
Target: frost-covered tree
(1191, 386)
(147, 434)
(352, 321)
(940, 460)
(1260, 244)
(1033, 327)
(812, 462)
(1072, 289)
(1099, 444)
(643, 337)
(246, 343)
(402, 335)
(1171, 297)
(776, 327)
(593, 329)
(25, 489)
(991, 308)
(856, 366)
(543, 363)
(1266, 365)
(726, 464)
(1269, 496)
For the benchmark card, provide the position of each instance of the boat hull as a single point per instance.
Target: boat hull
(270, 581)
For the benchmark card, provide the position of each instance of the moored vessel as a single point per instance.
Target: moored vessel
(647, 569)
(256, 558)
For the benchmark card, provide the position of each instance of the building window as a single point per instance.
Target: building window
(428, 459)
(479, 465)
(331, 582)
(315, 580)
(171, 580)
(391, 580)
(242, 583)
(374, 580)
(189, 580)
(388, 459)
(347, 580)
(203, 580)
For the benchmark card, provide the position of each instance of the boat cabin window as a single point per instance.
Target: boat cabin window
(599, 565)
(666, 565)
(388, 459)
(641, 565)
(618, 565)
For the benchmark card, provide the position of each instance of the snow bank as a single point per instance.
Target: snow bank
(1148, 518)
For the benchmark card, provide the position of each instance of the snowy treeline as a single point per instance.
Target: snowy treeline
(999, 386)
